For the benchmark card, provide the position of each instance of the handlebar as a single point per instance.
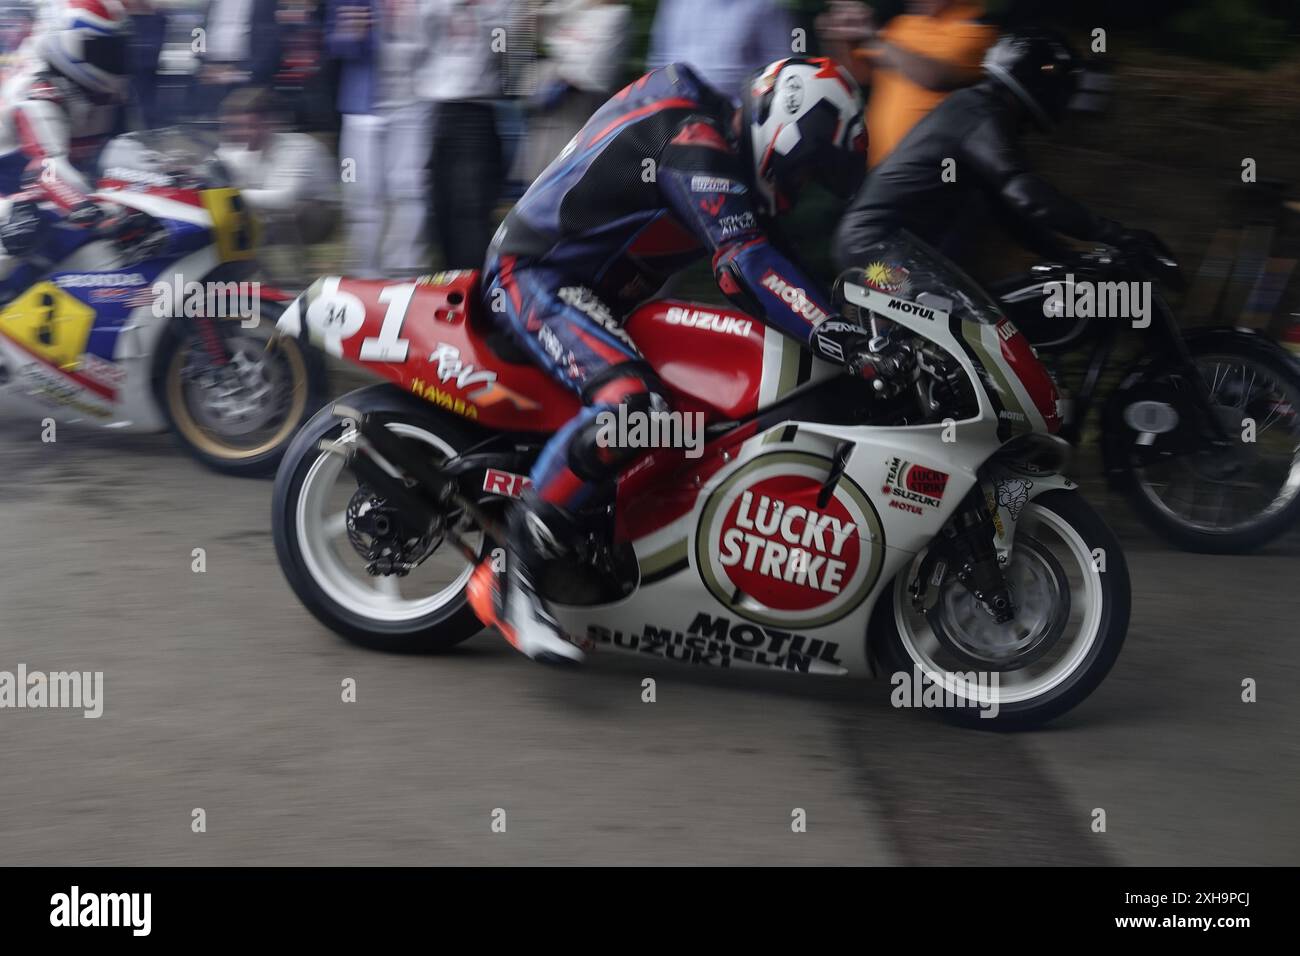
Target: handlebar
(1146, 256)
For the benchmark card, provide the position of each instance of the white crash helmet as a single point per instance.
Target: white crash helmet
(805, 120)
(85, 40)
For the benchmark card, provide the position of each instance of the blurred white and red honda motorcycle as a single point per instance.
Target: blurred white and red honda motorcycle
(160, 323)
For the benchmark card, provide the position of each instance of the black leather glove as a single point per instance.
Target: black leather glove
(1145, 251)
(21, 232)
(87, 215)
(1138, 241)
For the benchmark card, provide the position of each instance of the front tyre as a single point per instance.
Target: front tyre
(324, 525)
(237, 415)
(1070, 584)
(1219, 499)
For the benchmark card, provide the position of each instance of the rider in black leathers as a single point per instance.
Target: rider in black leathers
(967, 150)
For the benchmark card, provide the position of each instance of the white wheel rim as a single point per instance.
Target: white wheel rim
(320, 525)
(1081, 632)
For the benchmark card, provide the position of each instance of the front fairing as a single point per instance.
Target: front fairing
(904, 288)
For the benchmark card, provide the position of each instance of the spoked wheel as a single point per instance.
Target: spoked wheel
(238, 414)
(358, 564)
(1235, 496)
(1069, 582)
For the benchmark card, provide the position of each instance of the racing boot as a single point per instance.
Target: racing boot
(506, 598)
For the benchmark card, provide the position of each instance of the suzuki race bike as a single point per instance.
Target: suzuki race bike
(925, 538)
(154, 324)
(1202, 431)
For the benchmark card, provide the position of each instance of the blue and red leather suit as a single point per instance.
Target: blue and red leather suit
(656, 179)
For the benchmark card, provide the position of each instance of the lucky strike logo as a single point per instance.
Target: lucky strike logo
(914, 483)
(774, 547)
(777, 546)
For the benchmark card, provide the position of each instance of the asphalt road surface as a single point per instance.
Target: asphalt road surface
(221, 693)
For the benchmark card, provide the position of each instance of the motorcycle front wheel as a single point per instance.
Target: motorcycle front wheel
(1218, 498)
(237, 413)
(1069, 582)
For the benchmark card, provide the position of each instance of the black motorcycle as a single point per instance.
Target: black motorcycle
(1202, 431)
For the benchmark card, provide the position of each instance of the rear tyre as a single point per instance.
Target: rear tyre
(1070, 625)
(313, 514)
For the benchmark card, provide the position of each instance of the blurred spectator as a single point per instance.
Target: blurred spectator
(148, 27)
(582, 43)
(726, 41)
(241, 47)
(387, 129)
(287, 178)
(302, 78)
(463, 77)
(16, 21)
(176, 70)
(910, 64)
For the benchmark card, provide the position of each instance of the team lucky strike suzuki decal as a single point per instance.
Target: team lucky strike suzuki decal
(766, 548)
(913, 487)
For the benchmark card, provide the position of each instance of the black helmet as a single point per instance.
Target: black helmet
(1039, 67)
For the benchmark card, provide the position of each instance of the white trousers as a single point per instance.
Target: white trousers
(385, 190)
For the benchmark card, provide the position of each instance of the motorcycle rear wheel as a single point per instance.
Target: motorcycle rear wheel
(314, 499)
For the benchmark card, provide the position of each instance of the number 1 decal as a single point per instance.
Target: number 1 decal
(389, 346)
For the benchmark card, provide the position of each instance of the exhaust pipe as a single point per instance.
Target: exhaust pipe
(383, 461)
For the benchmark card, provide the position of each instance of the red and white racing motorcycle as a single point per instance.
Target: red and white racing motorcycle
(927, 537)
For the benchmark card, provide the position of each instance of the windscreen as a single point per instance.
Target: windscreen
(180, 156)
(911, 272)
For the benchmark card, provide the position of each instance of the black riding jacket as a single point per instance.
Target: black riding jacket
(915, 188)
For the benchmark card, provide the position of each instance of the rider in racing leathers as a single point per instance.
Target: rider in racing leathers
(667, 171)
(1029, 75)
(58, 107)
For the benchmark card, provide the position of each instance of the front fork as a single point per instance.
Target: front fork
(976, 543)
(214, 346)
(1212, 428)
(968, 546)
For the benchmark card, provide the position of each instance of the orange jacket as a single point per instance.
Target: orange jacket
(897, 103)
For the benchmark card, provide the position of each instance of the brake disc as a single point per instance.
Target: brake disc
(1041, 594)
(378, 534)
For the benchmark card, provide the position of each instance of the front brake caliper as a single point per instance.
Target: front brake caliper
(925, 587)
(974, 531)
